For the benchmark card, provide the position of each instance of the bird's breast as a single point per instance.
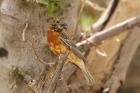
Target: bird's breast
(58, 49)
(53, 39)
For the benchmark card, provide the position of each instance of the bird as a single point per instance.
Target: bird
(59, 42)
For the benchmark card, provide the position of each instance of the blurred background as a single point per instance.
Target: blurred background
(89, 17)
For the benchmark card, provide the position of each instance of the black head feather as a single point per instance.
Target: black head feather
(58, 25)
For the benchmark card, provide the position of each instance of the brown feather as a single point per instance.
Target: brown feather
(64, 39)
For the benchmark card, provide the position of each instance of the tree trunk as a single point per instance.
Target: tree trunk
(14, 15)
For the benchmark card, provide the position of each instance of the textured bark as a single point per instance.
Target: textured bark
(14, 16)
(47, 81)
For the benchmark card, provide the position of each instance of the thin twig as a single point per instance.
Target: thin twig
(23, 33)
(98, 49)
(76, 28)
(37, 57)
(94, 6)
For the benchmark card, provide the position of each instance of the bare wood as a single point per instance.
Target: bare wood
(119, 74)
(23, 33)
(13, 18)
(48, 80)
(112, 31)
(98, 26)
(98, 49)
(37, 57)
(94, 5)
(77, 23)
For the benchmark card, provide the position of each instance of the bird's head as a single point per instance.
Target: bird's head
(58, 25)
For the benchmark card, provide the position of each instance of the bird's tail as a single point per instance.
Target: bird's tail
(87, 74)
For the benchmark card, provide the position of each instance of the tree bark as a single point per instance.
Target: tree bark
(14, 16)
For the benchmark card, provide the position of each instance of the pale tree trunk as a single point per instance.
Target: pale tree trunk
(14, 15)
(107, 71)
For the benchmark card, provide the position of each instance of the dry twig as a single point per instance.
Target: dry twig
(37, 57)
(23, 33)
(76, 28)
(98, 49)
(94, 6)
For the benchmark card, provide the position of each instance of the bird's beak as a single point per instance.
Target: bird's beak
(64, 25)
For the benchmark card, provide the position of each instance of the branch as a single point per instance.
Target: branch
(99, 25)
(37, 57)
(98, 37)
(23, 33)
(94, 6)
(48, 80)
(76, 28)
(127, 52)
(98, 49)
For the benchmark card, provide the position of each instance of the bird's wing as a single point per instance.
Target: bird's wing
(70, 45)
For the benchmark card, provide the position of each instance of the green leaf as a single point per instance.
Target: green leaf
(50, 1)
(54, 7)
(50, 13)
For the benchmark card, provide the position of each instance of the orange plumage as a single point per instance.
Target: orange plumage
(60, 43)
